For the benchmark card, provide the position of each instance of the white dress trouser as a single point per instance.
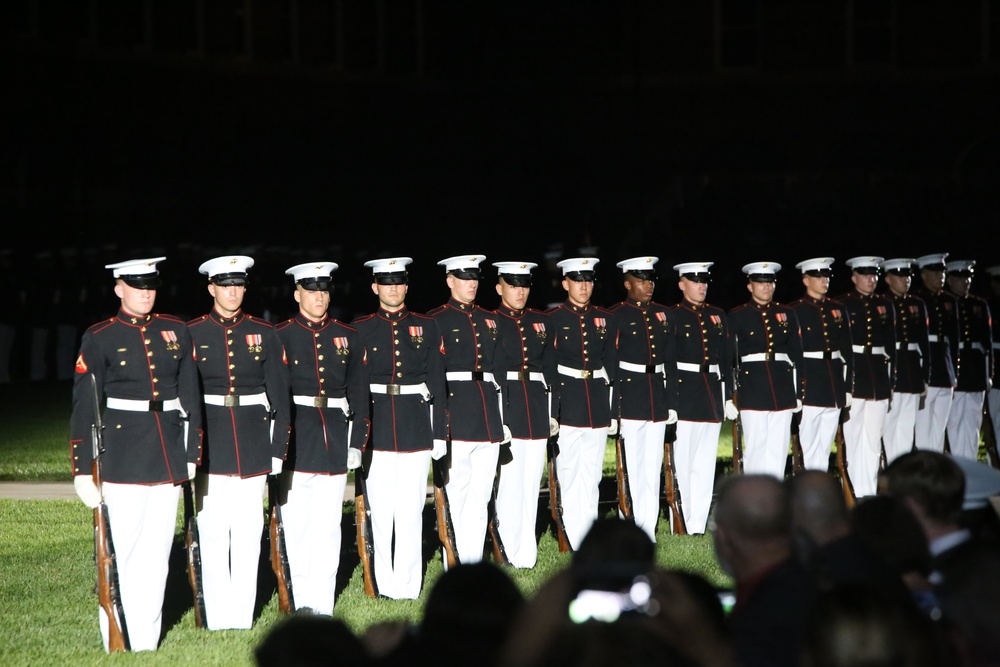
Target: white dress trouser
(863, 443)
(517, 501)
(932, 419)
(766, 435)
(695, 453)
(469, 487)
(644, 464)
(964, 423)
(817, 431)
(397, 493)
(230, 525)
(898, 434)
(311, 518)
(142, 522)
(579, 466)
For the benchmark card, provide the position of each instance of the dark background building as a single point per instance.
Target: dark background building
(722, 130)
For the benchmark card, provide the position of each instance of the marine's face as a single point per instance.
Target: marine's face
(312, 303)
(816, 286)
(228, 298)
(390, 297)
(135, 301)
(762, 292)
(933, 279)
(511, 296)
(638, 289)
(578, 292)
(695, 292)
(462, 290)
(864, 282)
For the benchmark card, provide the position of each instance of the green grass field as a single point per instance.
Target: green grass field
(48, 608)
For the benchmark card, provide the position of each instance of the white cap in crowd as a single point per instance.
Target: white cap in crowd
(138, 273)
(933, 262)
(695, 271)
(313, 275)
(867, 264)
(900, 266)
(389, 271)
(465, 267)
(817, 266)
(517, 274)
(762, 272)
(227, 270)
(580, 269)
(961, 267)
(642, 268)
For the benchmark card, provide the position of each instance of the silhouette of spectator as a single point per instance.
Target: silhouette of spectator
(467, 615)
(751, 530)
(310, 640)
(965, 567)
(824, 540)
(612, 540)
(891, 531)
(855, 625)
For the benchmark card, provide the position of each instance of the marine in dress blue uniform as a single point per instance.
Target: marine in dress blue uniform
(942, 337)
(586, 365)
(147, 386)
(405, 375)
(765, 349)
(469, 343)
(246, 400)
(827, 360)
(873, 343)
(910, 373)
(640, 402)
(330, 426)
(525, 368)
(701, 333)
(975, 361)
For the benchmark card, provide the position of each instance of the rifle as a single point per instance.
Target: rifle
(555, 496)
(446, 529)
(990, 437)
(499, 553)
(279, 553)
(193, 545)
(737, 440)
(798, 457)
(673, 493)
(845, 478)
(624, 490)
(366, 540)
(108, 592)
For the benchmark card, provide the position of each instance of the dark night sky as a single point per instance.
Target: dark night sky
(138, 155)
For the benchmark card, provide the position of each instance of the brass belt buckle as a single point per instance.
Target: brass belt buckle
(319, 402)
(392, 389)
(769, 356)
(522, 375)
(586, 375)
(156, 406)
(231, 401)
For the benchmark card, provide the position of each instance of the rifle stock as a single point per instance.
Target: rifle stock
(621, 476)
(446, 529)
(366, 541)
(842, 463)
(677, 526)
(989, 437)
(493, 526)
(192, 543)
(555, 496)
(279, 553)
(798, 458)
(108, 593)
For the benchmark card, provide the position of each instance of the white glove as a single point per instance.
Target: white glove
(553, 426)
(613, 429)
(87, 490)
(671, 417)
(276, 465)
(192, 470)
(848, 399)
(439, 449)
(506, 435)
(353, 458)
(798, 405)
(732, 412)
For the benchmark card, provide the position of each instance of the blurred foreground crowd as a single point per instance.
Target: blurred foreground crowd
(909, 577)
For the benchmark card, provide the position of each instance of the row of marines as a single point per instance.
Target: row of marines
(229, 399)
